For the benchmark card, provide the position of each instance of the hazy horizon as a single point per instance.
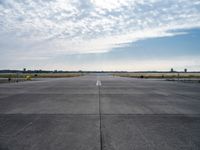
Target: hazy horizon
(100, 35)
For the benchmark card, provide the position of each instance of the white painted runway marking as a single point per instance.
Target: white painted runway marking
(98, 83)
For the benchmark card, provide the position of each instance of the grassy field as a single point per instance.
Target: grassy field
(40, 75)
(159, 75)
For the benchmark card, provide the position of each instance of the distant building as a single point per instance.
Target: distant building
(185, 70)
(172, 70)
(24, 70)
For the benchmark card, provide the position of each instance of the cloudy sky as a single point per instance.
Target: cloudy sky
(100, 34)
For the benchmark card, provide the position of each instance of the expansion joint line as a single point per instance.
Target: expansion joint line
(100, 116)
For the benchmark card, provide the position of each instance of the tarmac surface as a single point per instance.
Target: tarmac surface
(97, 112)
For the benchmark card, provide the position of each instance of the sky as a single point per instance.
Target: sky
(100, 35)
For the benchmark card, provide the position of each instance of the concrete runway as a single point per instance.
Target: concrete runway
(121, 114)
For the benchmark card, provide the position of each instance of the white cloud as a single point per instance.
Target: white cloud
(110, 5)
(90, 26)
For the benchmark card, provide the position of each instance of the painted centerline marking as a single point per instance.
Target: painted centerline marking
(98, 83)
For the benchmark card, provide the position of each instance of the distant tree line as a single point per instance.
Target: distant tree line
(80, 71)
(35, 71)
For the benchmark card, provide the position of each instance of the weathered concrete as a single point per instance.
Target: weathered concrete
(64, 114)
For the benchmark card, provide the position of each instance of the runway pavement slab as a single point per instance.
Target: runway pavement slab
(50, 104)
(52, 132)
(151, 132)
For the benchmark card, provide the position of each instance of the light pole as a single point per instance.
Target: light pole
(17, 76)
(178, 76)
